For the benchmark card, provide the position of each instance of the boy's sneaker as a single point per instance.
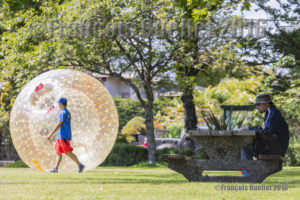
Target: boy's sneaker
(80, 168)
(54, 170)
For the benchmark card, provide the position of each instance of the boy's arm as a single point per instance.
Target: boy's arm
(54, 130)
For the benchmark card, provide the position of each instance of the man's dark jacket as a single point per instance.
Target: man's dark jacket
(276, 124)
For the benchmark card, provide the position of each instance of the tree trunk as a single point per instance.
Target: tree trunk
(150, 132)
(190, 119)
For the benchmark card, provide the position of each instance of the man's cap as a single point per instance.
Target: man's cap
(63, 100)
(263, 98)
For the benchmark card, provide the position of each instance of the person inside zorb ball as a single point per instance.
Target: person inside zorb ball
(43, 108)
(64, 135)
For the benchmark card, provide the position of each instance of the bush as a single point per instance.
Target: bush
(126, 155)
(174, 131)
(293, 153)
(17, 164)
(127, 109)
(135, 125)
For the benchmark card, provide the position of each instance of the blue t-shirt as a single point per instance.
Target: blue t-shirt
(64, 132)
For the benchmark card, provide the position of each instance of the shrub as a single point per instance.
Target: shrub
(293, 153)
(17, 164)
(126, 155)
(137, 125)
(134, 126)
(127, 109)
(174, 131)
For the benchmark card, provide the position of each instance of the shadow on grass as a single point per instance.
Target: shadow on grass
(101, 181)
(290, 176)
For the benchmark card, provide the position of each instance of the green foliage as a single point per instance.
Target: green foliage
(285, 91)
(19, 5)
(171, 113)
(215, 123)
(7, 99)
(161, 103)
(277, 43)
(174, 131)
(280, 48)
(128, 155)
(234, 91)
(293, 153)
(230, 92)
(137, 125)
(4, 129)
(203, 10)
(207, 59)
(130, 108)
(115, 157)
(125, 155)
(17, 164)
(212, 121)
(127, 109)
(134, 126)
(168, 112)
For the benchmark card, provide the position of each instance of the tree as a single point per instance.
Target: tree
(278, 41)
(97, 44)
(200, 56)
(12, 18)
(280, 49)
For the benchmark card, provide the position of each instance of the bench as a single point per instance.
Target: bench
(271, 157)
(223, 149)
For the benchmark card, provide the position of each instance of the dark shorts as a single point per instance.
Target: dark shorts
(63, 146)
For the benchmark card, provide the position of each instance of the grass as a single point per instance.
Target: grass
(136, 182)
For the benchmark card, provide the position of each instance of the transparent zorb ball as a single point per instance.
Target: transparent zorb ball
(94, 121)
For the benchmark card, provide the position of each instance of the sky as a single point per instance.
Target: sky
(260, 14)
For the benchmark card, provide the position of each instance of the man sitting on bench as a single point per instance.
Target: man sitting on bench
(273, 138)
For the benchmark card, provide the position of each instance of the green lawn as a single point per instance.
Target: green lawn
(133, 183)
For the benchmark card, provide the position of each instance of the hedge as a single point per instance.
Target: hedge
(128, 154)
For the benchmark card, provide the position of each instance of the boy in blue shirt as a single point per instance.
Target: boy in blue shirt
(64, 136)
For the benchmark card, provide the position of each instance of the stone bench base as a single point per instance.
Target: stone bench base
(271, 157)
(192, 169)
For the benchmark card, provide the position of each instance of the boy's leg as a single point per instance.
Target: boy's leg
(73, 157)
(57, 162)
(58, 159)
